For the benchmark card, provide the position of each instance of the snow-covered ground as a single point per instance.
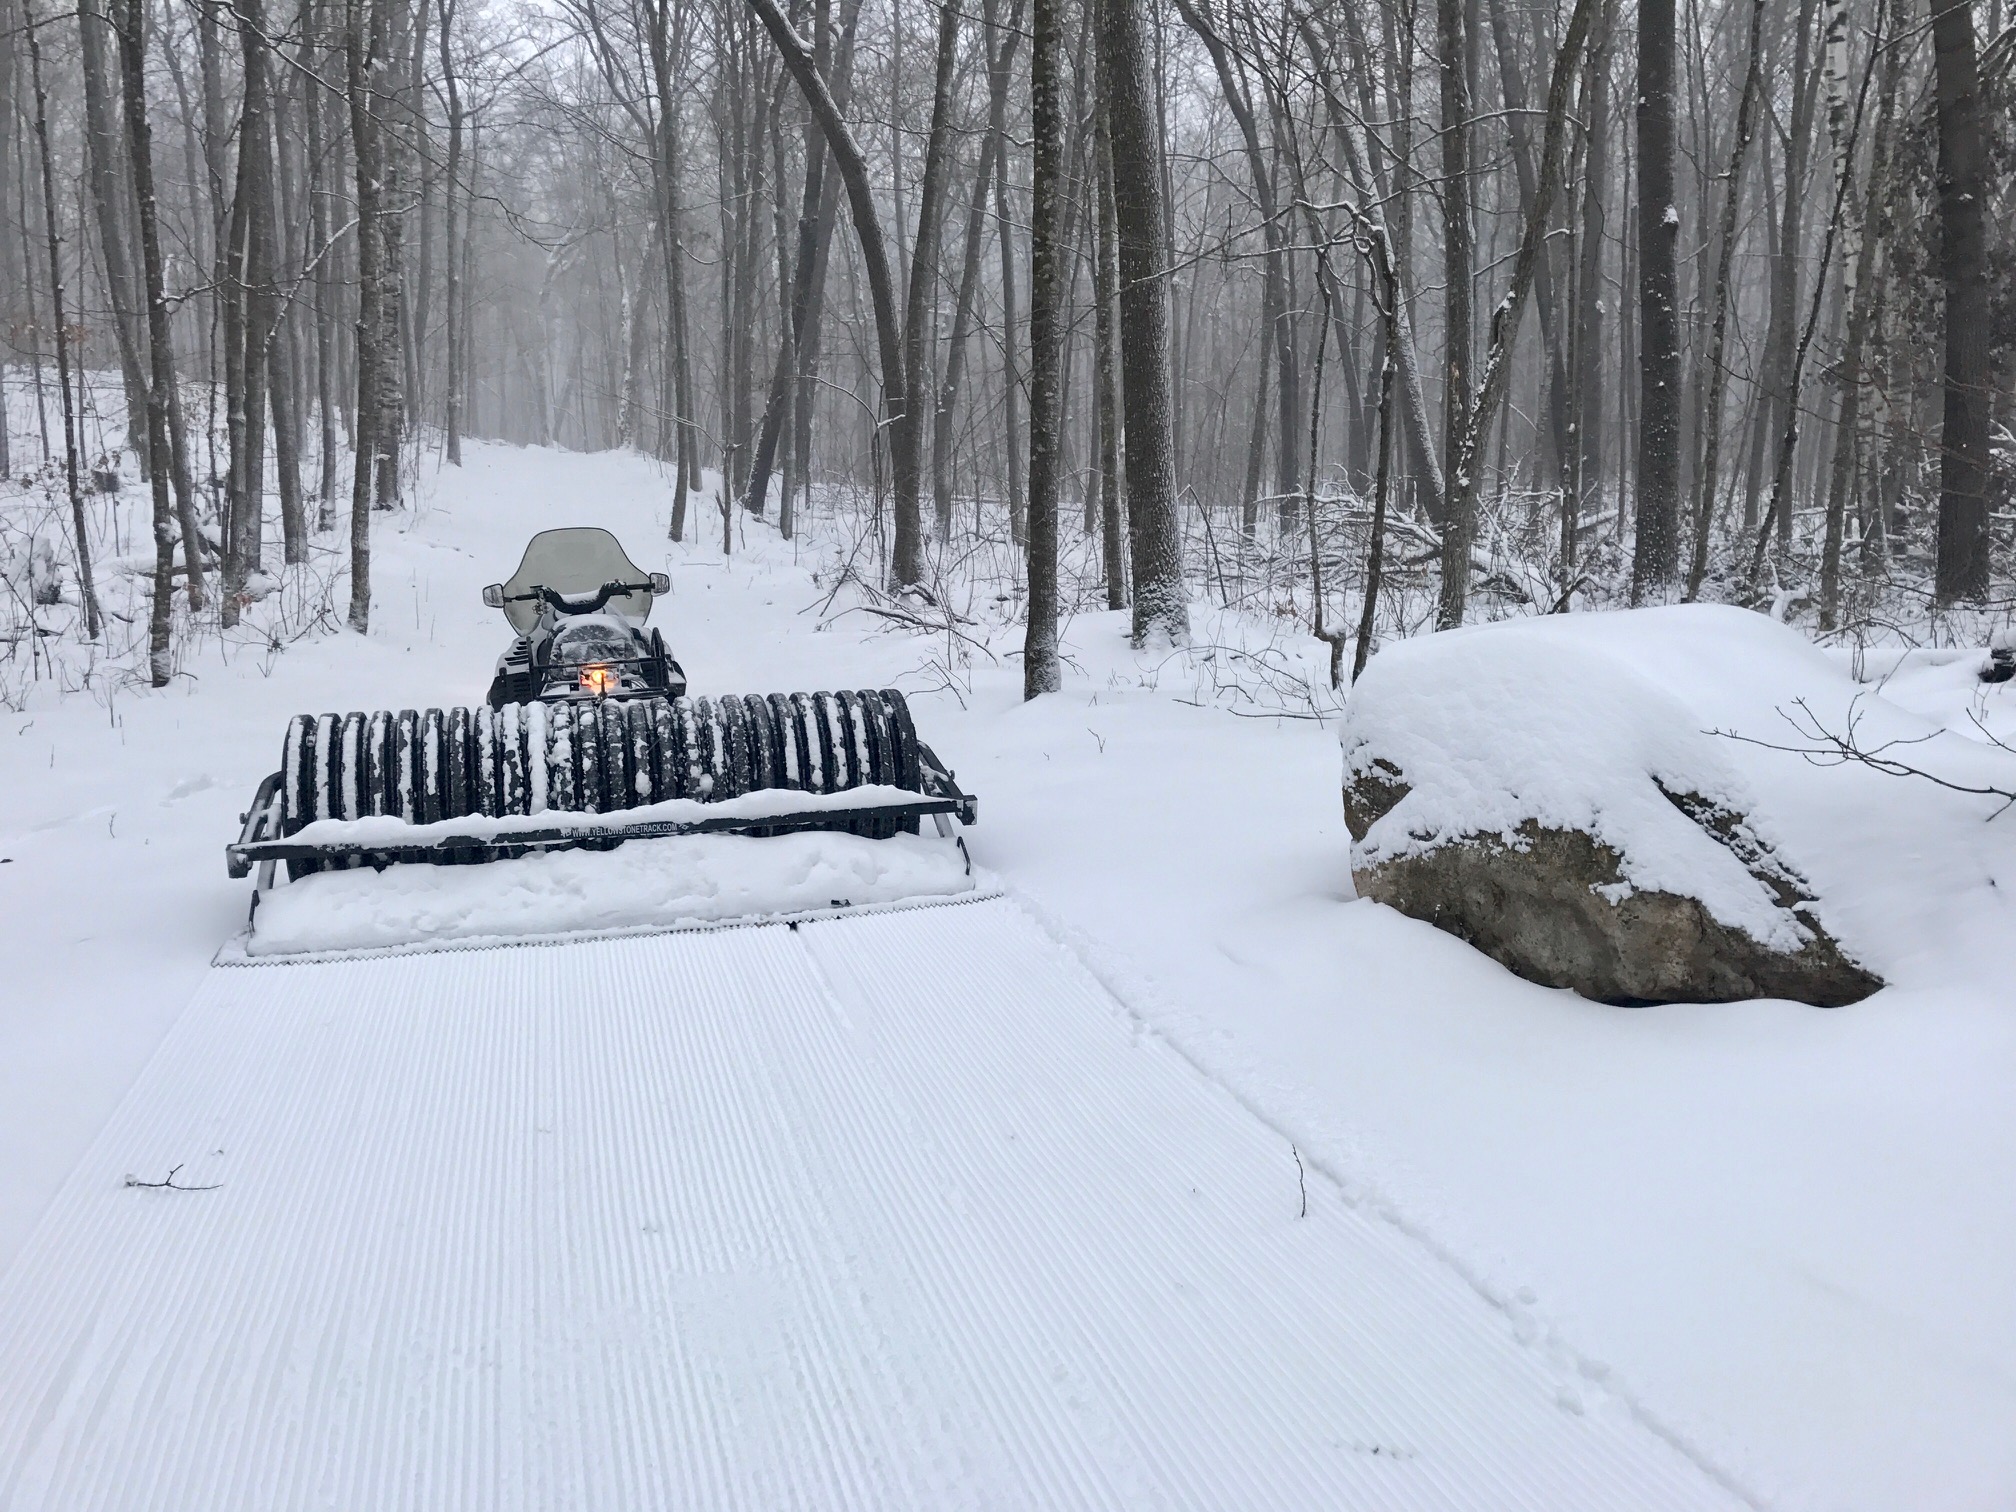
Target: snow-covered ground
(1779, 1236)
(898, 1211)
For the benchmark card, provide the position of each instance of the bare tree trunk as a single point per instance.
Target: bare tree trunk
(1256, 438)
(1465, 477)
(818, 203)
(87, 590)
(284, 398)
(365, 35)
(1780, 521)
(802, 282)
(1720, 295)
(1275, 311)
(1587, 410)
(1011, 373)
(1386, 297)
(666, 165)
(1106, 374)
(417, 150)
(10, 271)
(1863, 300)
(1458, 261)
(1962, 568)
(918, 324)
(285, 364)
(1161, 599)
(126, 20)
(1000, 58)
(1656, 556)
(248, 322)
(328, 338)
(1783, 332)
(453, 231)
(391, 99)
(835, 56)
(1041, 672)
(1553, 328)
(109, 197)
(1368, 178)
(847, 157)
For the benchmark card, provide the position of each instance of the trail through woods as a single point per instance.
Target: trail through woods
(1759, 1239)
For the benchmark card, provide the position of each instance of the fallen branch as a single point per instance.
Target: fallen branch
(1831, 749)
(169, 1184)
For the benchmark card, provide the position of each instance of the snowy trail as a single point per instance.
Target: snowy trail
(891, 1211)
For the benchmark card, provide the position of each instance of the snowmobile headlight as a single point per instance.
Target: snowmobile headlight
(599, 679)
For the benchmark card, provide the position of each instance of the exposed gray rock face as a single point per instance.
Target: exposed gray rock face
(1553, 905)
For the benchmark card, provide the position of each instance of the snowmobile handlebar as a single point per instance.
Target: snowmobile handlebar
(494, 596)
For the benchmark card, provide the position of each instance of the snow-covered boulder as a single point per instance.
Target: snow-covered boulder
(1532, 793)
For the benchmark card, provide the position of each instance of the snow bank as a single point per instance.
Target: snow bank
(644, 885)
(1496, 725)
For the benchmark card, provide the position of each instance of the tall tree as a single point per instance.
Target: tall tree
(1275, 313)
(87, 590)
(1161, 598)
(127, 22)
(250, 307)
(1962, 568)
(1721, 294)
(366, 37)
(1041, 672)
(902, 424)
(453, 231)
(1656, 555)
(109, 201)
(1465, 477)
(919, 321)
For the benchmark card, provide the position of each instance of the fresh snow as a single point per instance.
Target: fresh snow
(1775, 1238)
(885, 1212)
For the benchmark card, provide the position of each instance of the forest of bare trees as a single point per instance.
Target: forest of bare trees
(1374, 316)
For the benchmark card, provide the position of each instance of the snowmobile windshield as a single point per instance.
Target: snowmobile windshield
(575, 562)
(593, 638)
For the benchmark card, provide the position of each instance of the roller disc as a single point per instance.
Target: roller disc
(406, 769)
(791, 756)
(484, 761)
(458, 788)
(642, 735)
(818, 756)
(669, 754)
(430, 767)
(617, 790)
(513, 792)
(588, 758)
(736, 776)
(563, 774)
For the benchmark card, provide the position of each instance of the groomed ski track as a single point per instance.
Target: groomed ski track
(892, 1211)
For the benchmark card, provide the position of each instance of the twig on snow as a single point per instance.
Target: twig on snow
(169, 1184)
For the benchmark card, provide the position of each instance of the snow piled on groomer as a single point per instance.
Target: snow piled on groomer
(641, 886)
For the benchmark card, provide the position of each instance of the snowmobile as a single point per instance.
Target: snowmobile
(587, 739)
(585, 645)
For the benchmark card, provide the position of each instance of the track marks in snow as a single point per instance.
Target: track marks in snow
(881, 1212)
